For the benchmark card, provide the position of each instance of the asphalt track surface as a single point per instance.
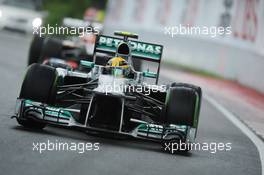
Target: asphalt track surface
(114, 156)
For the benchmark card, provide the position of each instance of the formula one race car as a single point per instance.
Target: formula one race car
(67, 49)
(113, 98)
(67, 52)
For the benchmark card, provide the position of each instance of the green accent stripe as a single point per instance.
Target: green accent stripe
(196, 114)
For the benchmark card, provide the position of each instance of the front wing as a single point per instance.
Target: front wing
(28, 109)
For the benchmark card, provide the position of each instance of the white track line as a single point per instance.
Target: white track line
(250, 134)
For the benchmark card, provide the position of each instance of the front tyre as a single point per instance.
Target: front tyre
(40, 85)
(182, 107)
(31, 124)
(183, 104)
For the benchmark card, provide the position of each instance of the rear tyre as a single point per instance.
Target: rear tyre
(35, 49)
(40, 84)
(52, 48)
(183, 104)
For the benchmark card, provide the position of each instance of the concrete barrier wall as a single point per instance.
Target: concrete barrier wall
(238, 55)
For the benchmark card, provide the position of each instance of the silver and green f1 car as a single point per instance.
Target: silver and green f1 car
(113, 98)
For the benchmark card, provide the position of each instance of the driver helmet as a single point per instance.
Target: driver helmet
(117, 62)
(119, 66)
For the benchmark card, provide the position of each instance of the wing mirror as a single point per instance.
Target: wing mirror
(87, 64)
(149, 74)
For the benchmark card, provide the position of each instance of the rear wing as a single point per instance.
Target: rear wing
(139, 50)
